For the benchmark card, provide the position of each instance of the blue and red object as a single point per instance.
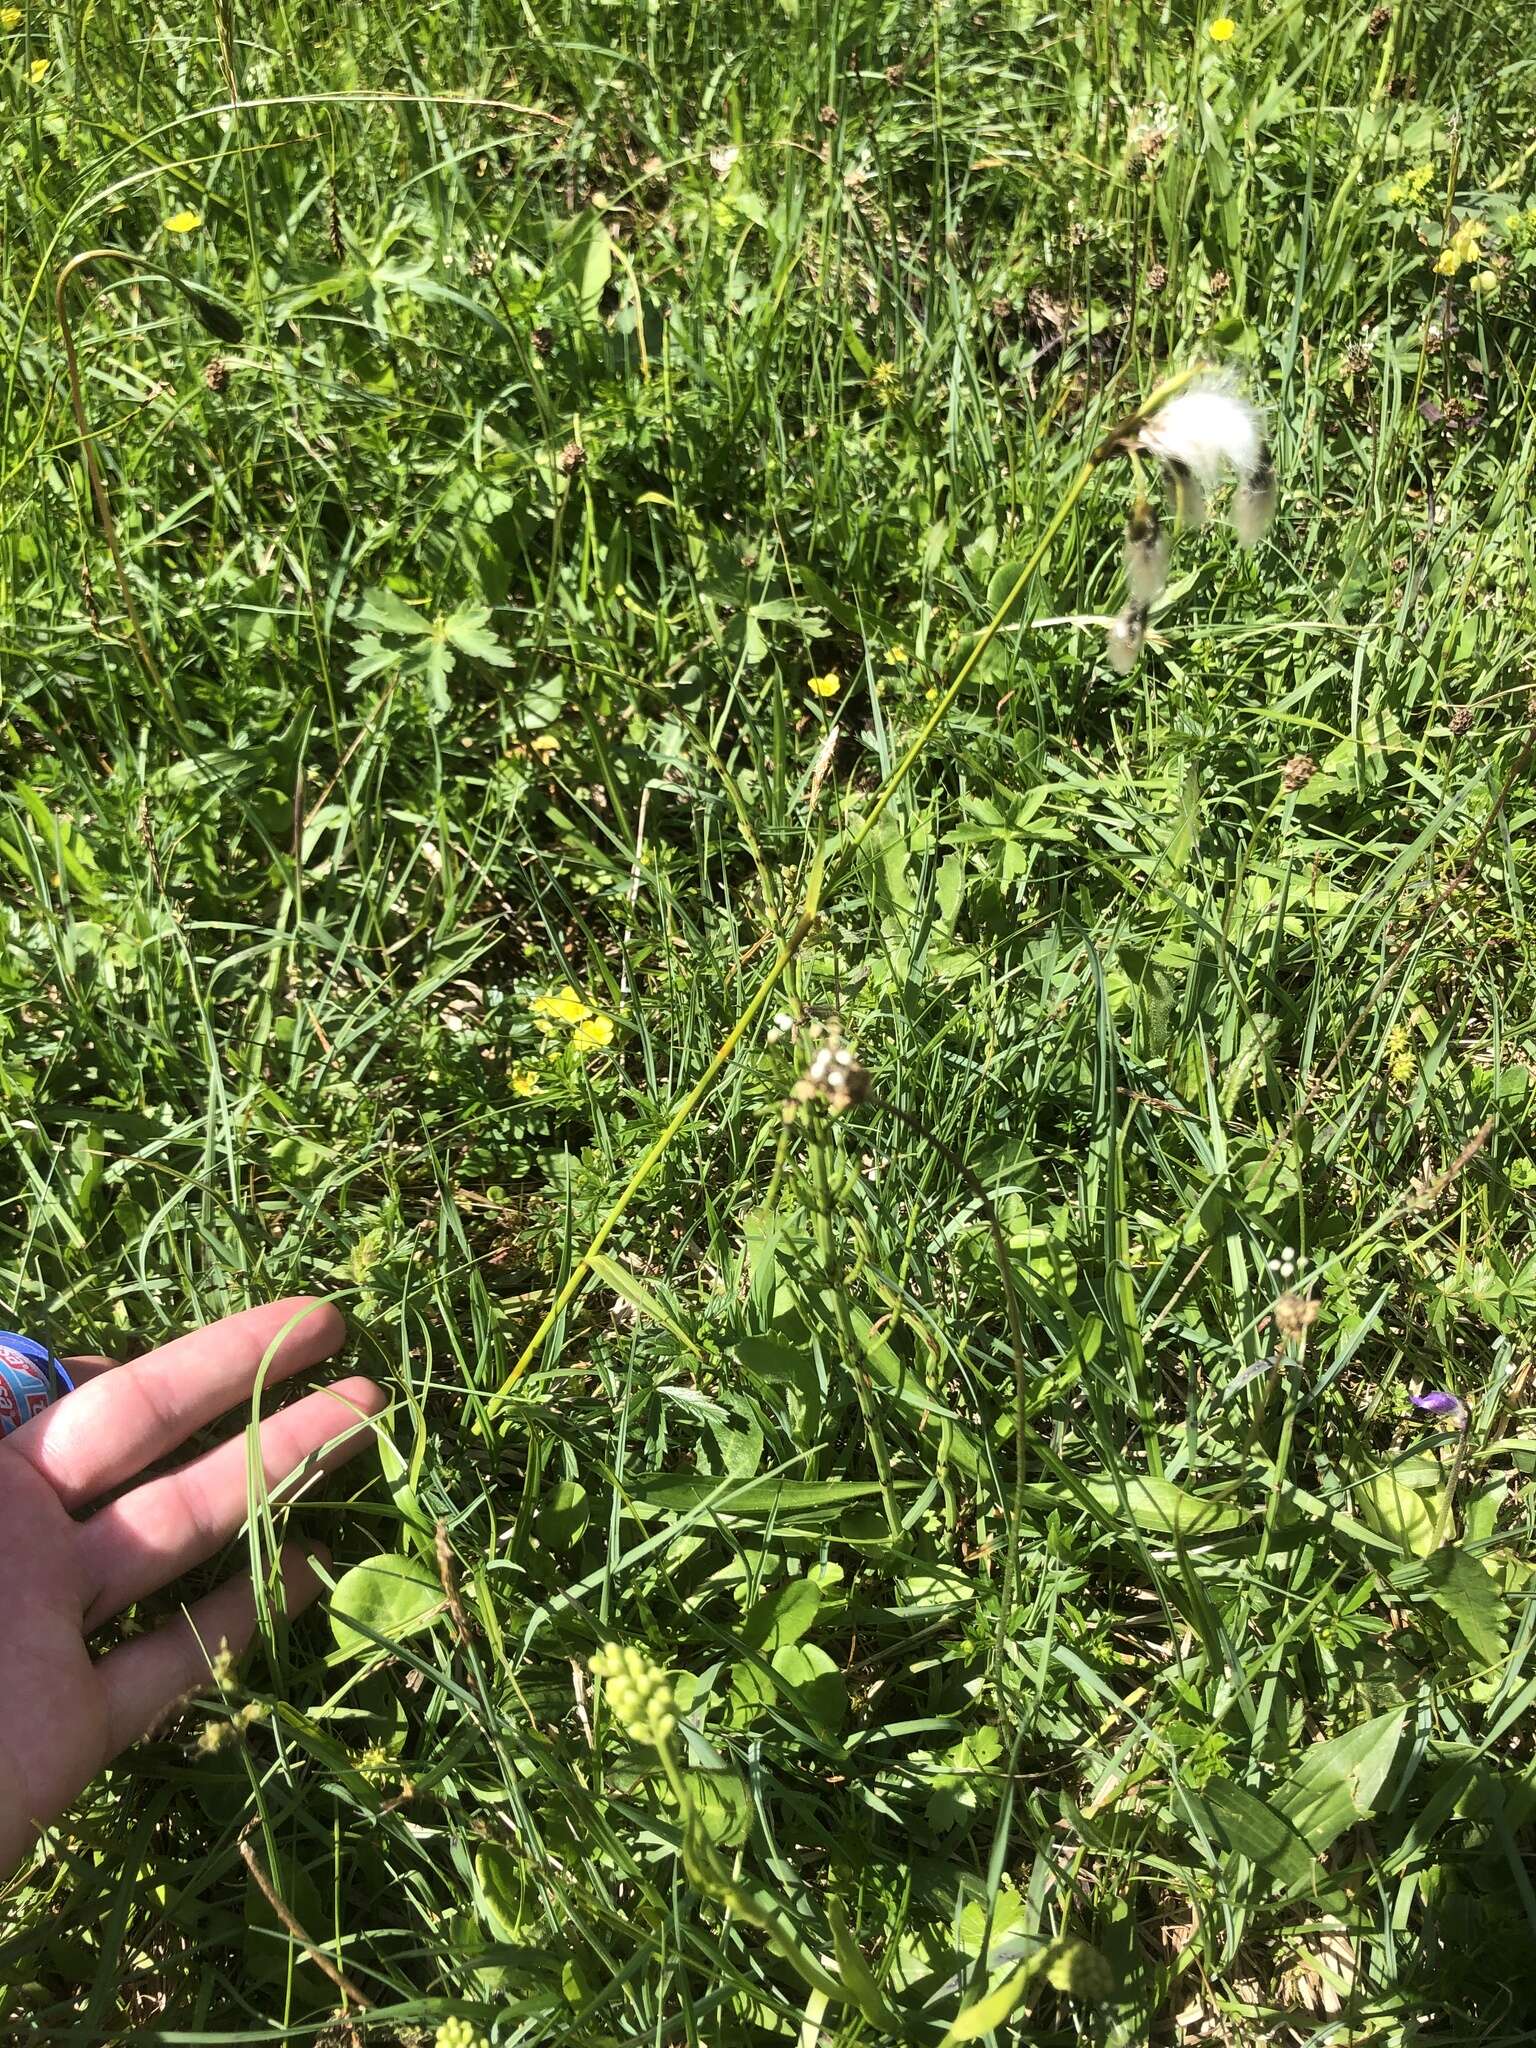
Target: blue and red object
(31, 1378)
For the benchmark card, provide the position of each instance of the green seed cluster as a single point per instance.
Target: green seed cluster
(457, 2033)
(638, 1693)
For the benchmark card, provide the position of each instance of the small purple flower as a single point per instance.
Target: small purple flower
(1443, 1406)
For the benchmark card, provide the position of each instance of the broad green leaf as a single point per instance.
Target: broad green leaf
(385, 1597)
(1337, 1781)
(1393, 1509)
(722, 1807)
(1253, 1829)
(1161, 1508)
(782, 1616)
(800, 1498)
(596, 268)
(814, 1680)
(988, 2012)
(1460, 1586)
(777, 1364)
(563, 1516)
(502, 1877)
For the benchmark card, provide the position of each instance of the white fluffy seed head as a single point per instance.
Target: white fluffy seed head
(1209, 429)
(1127, 636)
(1253, 505)
(1187, 493)
(1146, 554)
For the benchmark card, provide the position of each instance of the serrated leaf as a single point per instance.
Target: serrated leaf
(1161, 1508)
(387, 1598)
(468, 631)
(381, 607)
(1337, 1782)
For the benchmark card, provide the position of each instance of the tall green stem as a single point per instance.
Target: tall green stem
(824, 1217)
(1113, 443)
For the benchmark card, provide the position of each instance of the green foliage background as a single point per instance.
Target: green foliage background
(561, 389)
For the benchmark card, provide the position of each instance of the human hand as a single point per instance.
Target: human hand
(65, 1713)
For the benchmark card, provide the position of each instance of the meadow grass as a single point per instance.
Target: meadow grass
(560, 459)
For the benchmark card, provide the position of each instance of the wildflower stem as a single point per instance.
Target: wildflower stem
(837, 873)
(795, 939)
(1021, 1430)
(1443, 1527)
(824, 1218)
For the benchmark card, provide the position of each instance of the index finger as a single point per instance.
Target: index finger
(110, 1428)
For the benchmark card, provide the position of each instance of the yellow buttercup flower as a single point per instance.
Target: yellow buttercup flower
(185, 222)
(827, 685)
(591, 1033)
(525, 1081)
(897, 656)
(39, 70)
(565, 1006)
(1222, 29)
(10, 17)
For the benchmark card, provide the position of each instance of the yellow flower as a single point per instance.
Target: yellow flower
(897, 656)
(1411, 187)
(565, 1006)
(185, 222)
(1222, 29)
(10, 17)
(39, 70)
(827, 685)
(591, 1033)
(1462, 248)
(525, 1081)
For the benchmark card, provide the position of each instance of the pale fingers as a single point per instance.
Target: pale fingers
(148, 1537)
(142, 1681)
(109, 1429)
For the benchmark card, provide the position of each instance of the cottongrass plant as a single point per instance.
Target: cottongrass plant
(1200, 437)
